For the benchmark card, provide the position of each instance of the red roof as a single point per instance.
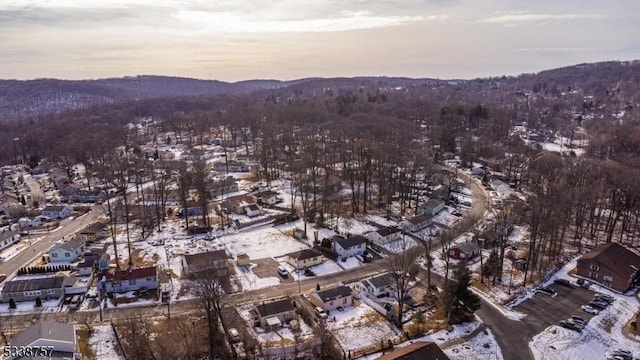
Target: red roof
(130, 274)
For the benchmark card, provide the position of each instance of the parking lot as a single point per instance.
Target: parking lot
(543, 310)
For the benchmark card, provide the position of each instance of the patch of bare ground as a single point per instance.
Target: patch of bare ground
(83, 336)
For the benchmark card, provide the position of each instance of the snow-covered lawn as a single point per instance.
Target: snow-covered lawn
(360, 327)
(260, 243)
(380, 220)
(250, 281)
(401, 245)
(103, 342)
(350, 263)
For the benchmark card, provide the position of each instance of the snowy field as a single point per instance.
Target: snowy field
(250, 281)
(360, 327)
(103, 343)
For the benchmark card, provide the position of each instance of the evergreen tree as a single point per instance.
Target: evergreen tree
(457, 300)
(38, 302)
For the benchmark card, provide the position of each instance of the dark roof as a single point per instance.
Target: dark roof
(56, 208)
(253, 207)
(466, 247)
(33, 284)
(388, 230)
(381, 280)
(266, 194)
(303, 254)
(420, 350)
(618, 258)
(93, 228)
(45, 330)
(351, 241)
(274, 307)
(434, 202)
(205, 257)
(419, 219)
(71, 245)
(123, 275)
(334, 293)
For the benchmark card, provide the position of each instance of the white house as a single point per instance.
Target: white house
(304, 258)
(8, 238)
(59, 338)
(417, 222)
(377, 286)
(267, 197)
(331, 299)
(67, 251)
(385, 235)
(252, 210)
(57, 212)
(351, 246)
(431, 207)
(130, 280)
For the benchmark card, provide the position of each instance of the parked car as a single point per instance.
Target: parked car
(320, 312)
(604, 298)
(589, 309)
(3, 277)
(577, 324)
(563, 282)
(546, 291)
(234, 335)
(598, 304)
(571, 326)
(282, 271)
(579, 319)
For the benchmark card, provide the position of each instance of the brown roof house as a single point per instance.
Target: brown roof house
(213, 262)
(420, 350)
(610, 265)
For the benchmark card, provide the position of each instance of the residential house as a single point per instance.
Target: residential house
(610, 265)
(377, 286)
(238, 203)
(58, 337)
(351, 246)
(37, 221)
(32, 288)
(267, 197)
(87, 196)
(252, 210)
(57, 212)
(216, 262)
(86, 266)
(464, 251)
(271, 315)
(331, 299)
(67, 251)
(304, 258)
(192, 155)
(130, 280)
(419, 350)
(385, 235)
(93, 232)
(223, 187)
(432, 207)
(233, 166)
(417, 223)
(8, 238)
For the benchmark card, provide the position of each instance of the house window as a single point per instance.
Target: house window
(67, 254)
(593, 275)
(594, 267)
(607, 278)
(51, 291)
(54, 255)
(132, 282)
(344, 301)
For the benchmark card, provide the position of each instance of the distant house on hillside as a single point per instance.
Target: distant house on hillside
(610, 265)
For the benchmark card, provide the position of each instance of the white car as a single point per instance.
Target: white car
(282, 271)
(590, 310)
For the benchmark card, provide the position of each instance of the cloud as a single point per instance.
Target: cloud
(229, 22)
(524, 18)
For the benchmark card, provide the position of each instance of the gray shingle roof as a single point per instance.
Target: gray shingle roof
(381, 280)
(32, 284)
(386, 231)
(45, 330)
(274, 307)
(351, 241)
(334, 293)
(303, 254)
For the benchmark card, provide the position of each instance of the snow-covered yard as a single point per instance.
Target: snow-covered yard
(327, 267)
(250, 281)
(28, 307)
(360, 327)
(446, 217)
(103, 343)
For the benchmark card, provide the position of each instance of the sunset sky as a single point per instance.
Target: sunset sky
(233, 40)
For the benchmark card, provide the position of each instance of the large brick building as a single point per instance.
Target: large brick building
(610, 265)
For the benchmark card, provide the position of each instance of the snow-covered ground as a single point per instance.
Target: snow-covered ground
(350, 263)
(360, 327)
(103, 343)
(250, 281)
(445, 217)
(327, 267)
(28, 307)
